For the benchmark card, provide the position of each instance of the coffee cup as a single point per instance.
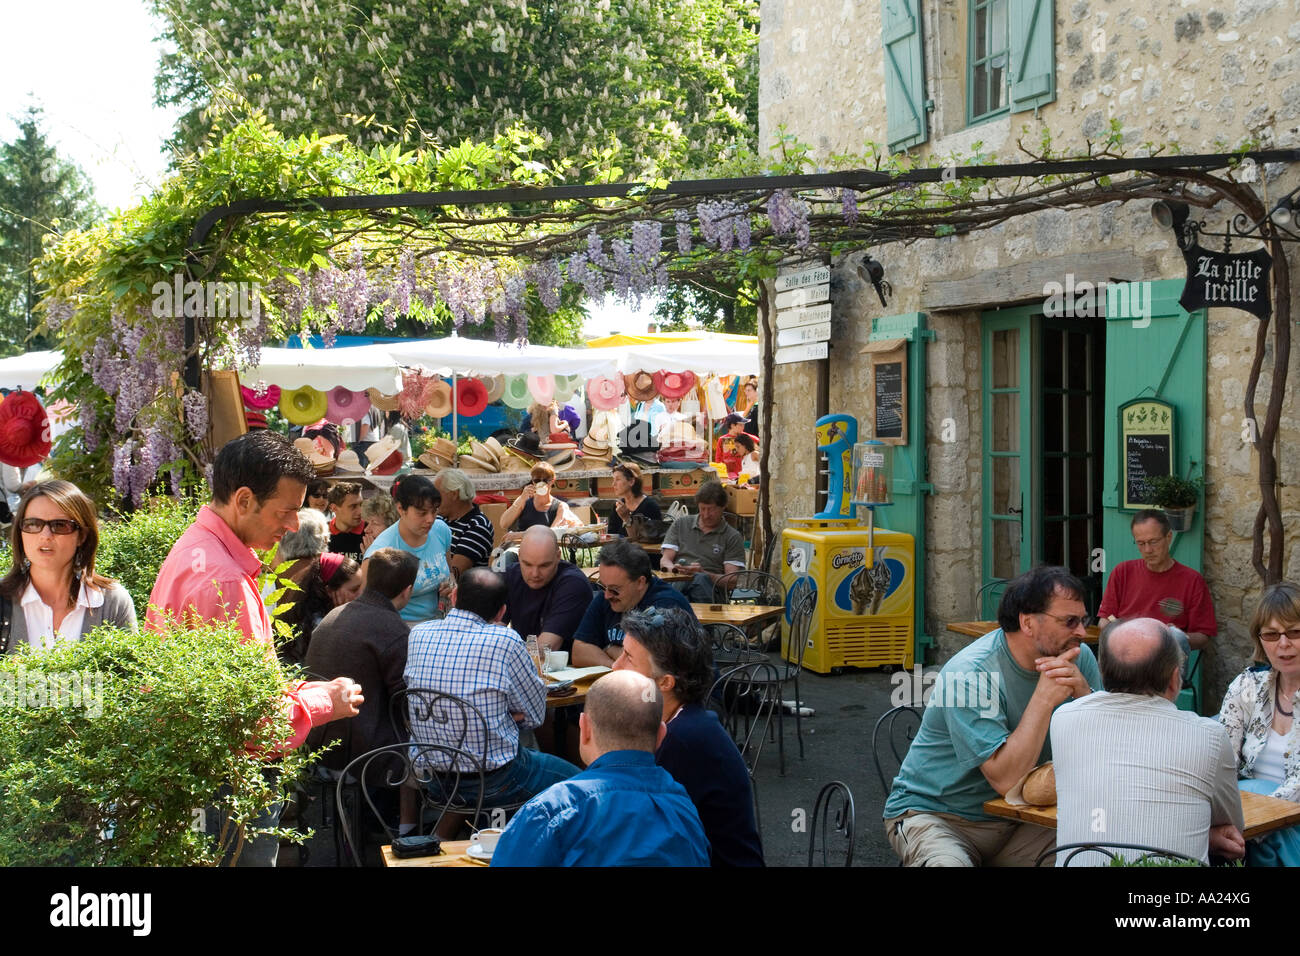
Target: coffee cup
(487, 839)
(557, 660)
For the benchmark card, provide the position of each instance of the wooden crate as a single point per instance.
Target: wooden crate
(681, 484)
(570, 488)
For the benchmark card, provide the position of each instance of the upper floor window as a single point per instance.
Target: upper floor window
(987, 62)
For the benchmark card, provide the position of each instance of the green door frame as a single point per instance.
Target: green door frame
(1019, 319)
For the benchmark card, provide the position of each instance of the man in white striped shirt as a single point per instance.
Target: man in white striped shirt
(1131, 768)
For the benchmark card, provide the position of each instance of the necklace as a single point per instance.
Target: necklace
(1277, 700)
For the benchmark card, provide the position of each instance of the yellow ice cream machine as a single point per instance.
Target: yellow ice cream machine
(865, 588)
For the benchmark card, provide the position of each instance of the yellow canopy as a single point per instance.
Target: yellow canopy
(658, 338)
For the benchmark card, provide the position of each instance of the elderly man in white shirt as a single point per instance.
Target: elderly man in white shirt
(1131, 768)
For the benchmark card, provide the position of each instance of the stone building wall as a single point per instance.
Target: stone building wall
(1206, 76)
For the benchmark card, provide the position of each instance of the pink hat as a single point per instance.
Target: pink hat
(674, 384)
(347, 405)
(605, 394)
(542, 388)
(268, 399)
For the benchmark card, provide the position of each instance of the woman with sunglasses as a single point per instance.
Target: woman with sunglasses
(52, 592)
(1259, 714)
(668, 646)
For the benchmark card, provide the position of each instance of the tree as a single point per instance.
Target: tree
(717, 308)
(40, 194)
(635, 87)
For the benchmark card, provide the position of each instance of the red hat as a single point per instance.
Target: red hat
(674, 384)
(254, 420)
(268, 399)
(471, 397)
(329, 563)
(24, 430)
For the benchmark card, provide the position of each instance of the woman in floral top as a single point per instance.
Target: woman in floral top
(1258, 712)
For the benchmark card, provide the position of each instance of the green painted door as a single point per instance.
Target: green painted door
(906, 513)
(1163, 357)
(1008, 489)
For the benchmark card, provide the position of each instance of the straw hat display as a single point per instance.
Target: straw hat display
(496, 387)
(481, 456)
(346, 405)
(349, 463)
(595, 451)
(561, 457)
(471, 397)
(385, 457)
(494, 446)
(385, 403)
(440, 453)
(640, 386)
(674, 384)
(323, 464)
(516, 394)
(302, 406)
(438, 400)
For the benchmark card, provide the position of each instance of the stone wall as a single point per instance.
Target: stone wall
(1202, 75)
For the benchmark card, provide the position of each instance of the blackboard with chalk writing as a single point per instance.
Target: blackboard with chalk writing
(1147, 449)
(889, 389)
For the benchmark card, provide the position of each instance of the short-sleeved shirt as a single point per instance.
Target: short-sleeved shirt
(602, 625)
(472, 536)
(530, 516)
(423, 605)
(1177, 596)
(977, 701)
(648, 507)
(556, 609)
(710, 549)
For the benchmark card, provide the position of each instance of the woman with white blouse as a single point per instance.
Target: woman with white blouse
(1259, 714)
(52, 592)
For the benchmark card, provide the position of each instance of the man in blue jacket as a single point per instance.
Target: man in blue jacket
(623, 810)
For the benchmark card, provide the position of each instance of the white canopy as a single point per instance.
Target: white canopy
(26, 371)
(476, 357)
(357, 368)
(720, 355)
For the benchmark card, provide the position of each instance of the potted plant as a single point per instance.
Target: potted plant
(1177, 496)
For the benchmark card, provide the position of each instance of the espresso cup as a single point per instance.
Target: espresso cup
(557, 660)
(487, 838)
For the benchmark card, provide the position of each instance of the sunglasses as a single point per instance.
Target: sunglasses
(1071, 622)
(56, 525)
(612, 592)
(1292, 635)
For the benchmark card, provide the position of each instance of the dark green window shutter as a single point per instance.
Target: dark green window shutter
(1033, 53)
(904, 73)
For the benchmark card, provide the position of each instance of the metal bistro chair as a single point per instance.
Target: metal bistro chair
(840, 821)
(392, 768)
(751, 587)
(582, 553)
(457, 722)
(745, 698)
(732, 646)
(1107, 850)
(889, 721)
(792, 663)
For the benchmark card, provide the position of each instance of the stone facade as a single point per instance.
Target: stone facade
(1205, 76)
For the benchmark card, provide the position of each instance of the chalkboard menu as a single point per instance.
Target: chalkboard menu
(1146, 428)
(889, 391)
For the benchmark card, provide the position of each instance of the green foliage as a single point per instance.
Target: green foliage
(1171, 491)
(40, 195)
(642, 86)
(717, 308)
(163, 722)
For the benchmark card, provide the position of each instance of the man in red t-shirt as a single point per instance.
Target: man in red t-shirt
(1158, 586)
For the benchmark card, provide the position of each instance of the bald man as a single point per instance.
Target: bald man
(545, 596)
(623, 810)
(1133, 768)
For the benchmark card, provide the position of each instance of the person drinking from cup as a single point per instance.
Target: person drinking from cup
(537, 506)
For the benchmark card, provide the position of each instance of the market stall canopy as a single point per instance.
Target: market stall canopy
(476, 357)
(716, 354)
(26, 371)
(619, 339)
(359, 368)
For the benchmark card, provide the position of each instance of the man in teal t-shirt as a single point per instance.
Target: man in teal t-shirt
(986, 726)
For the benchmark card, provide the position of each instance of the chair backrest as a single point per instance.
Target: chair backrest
(378, 777)
(745, 697)
(749, 587)
(1108, 850)
(800, 629)
(731, 645)
(897, 728)
(833, 810)
(444, 719)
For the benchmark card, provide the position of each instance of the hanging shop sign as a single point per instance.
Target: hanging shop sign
(1237, 280)
(1146, 434)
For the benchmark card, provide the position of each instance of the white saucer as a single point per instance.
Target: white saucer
(476, 851)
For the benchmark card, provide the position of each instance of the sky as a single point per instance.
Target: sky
(90, 65)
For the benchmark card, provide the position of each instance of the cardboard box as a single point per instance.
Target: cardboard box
(570, 487)
(681, 484)
(742, 500)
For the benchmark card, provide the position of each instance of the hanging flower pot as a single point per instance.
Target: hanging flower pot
(1178, 497)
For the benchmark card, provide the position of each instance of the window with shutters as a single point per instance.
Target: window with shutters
(989, 51)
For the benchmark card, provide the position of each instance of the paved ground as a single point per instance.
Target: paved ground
(837, 746)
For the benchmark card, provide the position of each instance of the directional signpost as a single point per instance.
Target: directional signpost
(803, 314)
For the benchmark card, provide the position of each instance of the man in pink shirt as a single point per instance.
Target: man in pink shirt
(258, 484)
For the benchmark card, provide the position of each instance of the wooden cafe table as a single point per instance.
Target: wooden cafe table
(741, 615)
(453, 854)
(1263, 814)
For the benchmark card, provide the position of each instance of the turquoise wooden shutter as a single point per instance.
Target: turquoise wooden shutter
(1033, 53)
(904, 73)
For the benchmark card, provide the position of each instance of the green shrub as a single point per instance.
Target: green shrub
(152, 730)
